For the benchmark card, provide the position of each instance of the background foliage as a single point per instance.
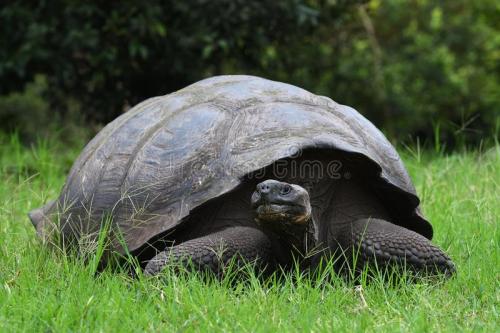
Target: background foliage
(415, 68)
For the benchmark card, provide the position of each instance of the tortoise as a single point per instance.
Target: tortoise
(260, 169)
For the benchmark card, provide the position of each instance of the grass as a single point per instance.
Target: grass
(40, 290)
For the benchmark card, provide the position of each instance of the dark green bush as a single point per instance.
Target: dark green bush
(416, 68)
(109, 55)
(28, 113)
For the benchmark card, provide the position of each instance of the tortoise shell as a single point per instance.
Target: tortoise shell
(151, 166)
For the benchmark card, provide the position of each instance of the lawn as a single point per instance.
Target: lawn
(42, 290)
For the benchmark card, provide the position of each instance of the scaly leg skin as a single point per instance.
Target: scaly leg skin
(374, 240)
(214, 251)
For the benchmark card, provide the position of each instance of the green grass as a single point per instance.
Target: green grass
(40, 290)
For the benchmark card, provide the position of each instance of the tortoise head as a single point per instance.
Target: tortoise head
(283, 208)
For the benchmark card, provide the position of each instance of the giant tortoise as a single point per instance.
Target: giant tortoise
(259, 169)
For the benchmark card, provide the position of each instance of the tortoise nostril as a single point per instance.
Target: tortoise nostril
(264, 188)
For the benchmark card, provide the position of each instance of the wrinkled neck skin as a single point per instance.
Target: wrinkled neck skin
(306, 238)
(299, 238)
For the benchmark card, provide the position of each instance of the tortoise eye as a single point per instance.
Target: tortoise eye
(285, 190)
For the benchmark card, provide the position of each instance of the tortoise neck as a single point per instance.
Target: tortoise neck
(303, 239)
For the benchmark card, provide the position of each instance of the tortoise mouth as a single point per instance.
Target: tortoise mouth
(272, 212)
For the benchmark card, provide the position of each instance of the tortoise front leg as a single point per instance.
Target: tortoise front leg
(372, 240)
(214, 251)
